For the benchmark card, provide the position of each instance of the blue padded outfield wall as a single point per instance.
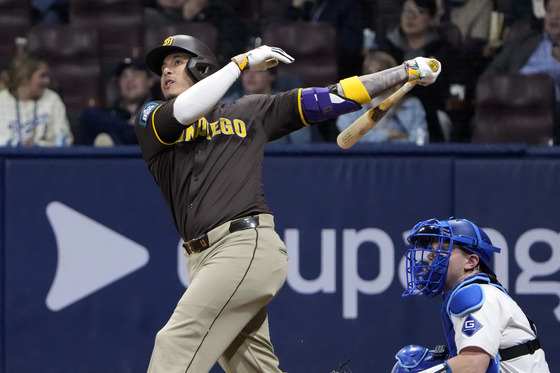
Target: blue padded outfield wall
(91, 265)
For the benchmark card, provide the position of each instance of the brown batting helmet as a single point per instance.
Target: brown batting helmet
(202, 64)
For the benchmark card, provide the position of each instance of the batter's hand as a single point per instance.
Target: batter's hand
(423, 71)
(262, 58)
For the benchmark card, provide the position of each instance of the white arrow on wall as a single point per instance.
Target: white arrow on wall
(90, 256)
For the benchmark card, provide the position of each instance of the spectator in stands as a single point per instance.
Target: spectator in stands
(255, 82)
(473, 17)
(30, 113)
(417, 36)
(264, 82)
(135, 84)
(346, 17)
(404, 122)
(233, 31)
(535, 51)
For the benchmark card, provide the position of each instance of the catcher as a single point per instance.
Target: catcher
(485, 328)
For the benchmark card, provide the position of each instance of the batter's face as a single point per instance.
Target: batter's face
(175, 78)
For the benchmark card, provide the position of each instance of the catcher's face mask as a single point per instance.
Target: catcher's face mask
(427, 259)
(431, 241)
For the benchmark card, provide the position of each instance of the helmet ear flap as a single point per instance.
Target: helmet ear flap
(200, 69)
(192, 68)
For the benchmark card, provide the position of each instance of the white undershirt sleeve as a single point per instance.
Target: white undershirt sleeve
(196, 101)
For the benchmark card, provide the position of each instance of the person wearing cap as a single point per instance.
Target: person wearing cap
(485, 329)
(207, 157)
(130, 90)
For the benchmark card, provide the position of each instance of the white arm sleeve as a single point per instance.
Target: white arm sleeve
(196, 101)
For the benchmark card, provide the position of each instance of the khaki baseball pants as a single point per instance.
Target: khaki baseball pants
(222, 315)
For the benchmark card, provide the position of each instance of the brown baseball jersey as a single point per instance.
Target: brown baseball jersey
(209, 172)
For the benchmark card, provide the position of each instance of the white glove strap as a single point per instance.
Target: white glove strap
(196, 101)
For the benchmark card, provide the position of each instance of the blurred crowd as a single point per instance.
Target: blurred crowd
(73, 70)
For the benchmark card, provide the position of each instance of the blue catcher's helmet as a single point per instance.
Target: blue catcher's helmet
(426, 275)
(414, 358)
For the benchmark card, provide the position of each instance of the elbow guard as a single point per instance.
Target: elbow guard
(318, 104)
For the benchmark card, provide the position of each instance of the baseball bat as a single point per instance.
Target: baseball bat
(367, 121)
(359, 128)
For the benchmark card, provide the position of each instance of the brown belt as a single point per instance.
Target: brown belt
(201, 243)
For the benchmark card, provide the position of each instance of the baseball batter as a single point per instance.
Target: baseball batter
(485, 328)
(207, 159)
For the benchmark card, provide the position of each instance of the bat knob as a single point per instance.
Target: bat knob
(434, 65)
